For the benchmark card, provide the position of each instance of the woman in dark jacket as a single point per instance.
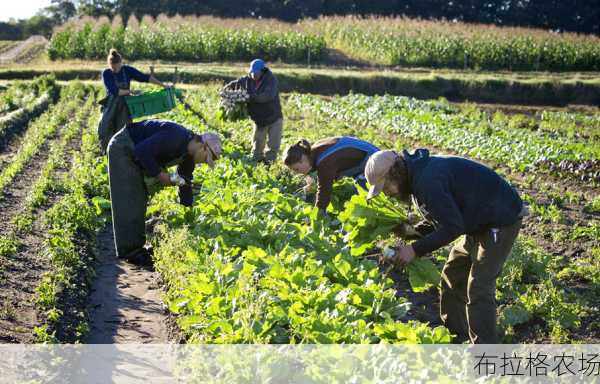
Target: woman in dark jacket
(116, 79)
(331, 158)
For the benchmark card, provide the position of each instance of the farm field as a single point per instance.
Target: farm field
(388, 41)
(504, 87)
(562, 214)
(333, 55)
(5, 45)
(48, 173)
(249, 262)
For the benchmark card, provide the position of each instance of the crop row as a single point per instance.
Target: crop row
(65, 286)
(475, 134)
(22, 222)
(389, 41)
(406, 42)
(249, 262)
(39, 131)
(21, 93)
(168, 41)
(22, 102)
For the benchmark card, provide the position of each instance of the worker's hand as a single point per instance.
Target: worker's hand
(414, 218)
(164, 178)
(311, 186)
(406, 231)
(404, 255)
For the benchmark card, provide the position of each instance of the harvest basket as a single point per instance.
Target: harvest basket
(151, 103)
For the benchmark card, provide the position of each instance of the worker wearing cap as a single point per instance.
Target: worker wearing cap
(147, 148)
(458, 197)
(264, 108)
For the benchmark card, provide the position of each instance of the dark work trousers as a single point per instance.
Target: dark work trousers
(128, 195)
(115, 116)
(468, 287)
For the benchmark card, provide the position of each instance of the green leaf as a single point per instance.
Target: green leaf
(422, 274)
(101, 204)
(514, 314)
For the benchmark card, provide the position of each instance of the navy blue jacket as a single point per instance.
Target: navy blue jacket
(159, 143)
(264, 106)
(458, 196)
(124, 76)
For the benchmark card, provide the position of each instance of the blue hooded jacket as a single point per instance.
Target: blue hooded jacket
(458, 196)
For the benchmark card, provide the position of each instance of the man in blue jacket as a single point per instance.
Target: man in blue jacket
(457, 197)
(147, 148)
(264, 108)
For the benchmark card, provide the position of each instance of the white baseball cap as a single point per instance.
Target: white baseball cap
(376, 170)
(213, 141)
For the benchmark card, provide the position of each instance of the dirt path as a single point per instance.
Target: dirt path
(125, 305)
(13, 53)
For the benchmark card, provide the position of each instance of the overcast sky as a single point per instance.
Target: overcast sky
(20, 9)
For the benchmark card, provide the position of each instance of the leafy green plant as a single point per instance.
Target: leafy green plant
(593, 206)
(250, 262)
(366, 221)
(8, 245)
(422, 274)
(592, 232)
(73, 214)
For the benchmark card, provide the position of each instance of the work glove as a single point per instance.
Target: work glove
(177, 180)
(311, 186)
(410, 232)
(406, 231)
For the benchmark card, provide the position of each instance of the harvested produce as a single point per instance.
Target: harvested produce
(233, 104)
(366, 221)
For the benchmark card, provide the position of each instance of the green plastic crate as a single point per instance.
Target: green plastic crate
(151, 103)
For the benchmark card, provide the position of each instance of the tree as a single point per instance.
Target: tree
(97, 8)
(61, 11)
(38, 25)
(10, 31)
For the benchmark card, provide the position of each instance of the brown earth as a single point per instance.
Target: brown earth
(125, 305)
(20, 273)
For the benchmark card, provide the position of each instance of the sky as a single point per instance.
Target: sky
(20, 9)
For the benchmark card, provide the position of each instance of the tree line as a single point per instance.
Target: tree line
(582, 16)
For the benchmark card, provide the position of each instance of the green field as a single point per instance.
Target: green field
(503, 87)
(208, 265)
(388, 41)
(250, 261)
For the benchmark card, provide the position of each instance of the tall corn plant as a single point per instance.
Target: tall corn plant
(174, 39)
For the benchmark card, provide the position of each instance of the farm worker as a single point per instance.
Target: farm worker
(264, 108)
(457, 197)
(331, 158)
(147, 148)
(116, 80)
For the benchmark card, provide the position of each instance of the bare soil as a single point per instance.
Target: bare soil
(20, 273)
(125, 305)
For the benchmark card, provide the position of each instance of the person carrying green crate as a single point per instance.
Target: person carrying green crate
(331, 158)
(456, 197)
(147, 148)
(116, 80)
(264, 108)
